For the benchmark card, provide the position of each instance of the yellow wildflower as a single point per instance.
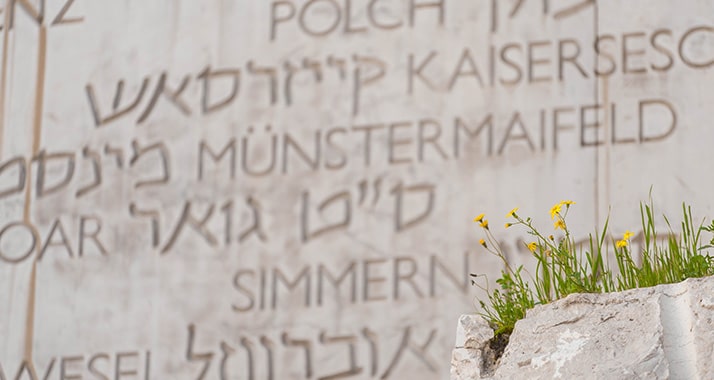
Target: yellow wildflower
(484, 224)
(555, 210)
(559, 224)
(532, 246)
(508, 224)
(512, 213)
(483, 243)
(479, 218)
(567, 203)
(625, 237)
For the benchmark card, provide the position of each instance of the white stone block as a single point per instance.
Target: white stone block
(662, 332)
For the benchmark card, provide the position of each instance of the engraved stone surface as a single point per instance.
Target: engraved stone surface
(662, 332)
(284, 188)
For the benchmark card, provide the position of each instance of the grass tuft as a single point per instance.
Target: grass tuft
(563, 268)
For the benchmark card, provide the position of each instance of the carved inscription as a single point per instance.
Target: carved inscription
(36, 11)
(222, 223)
(517, 8)
(355, 282)
(507, 65)
(123, 365)
(389, 143)
(253, 357)
(55, 240)
(340, 14)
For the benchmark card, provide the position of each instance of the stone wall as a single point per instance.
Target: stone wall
(284, 188)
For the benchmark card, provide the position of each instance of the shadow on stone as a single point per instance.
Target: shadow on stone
(492, 352)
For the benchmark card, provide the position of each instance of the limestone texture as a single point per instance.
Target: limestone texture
(661, 332)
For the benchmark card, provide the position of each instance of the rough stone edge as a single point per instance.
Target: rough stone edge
(472, 337)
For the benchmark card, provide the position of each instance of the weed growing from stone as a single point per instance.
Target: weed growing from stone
(563, 268)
